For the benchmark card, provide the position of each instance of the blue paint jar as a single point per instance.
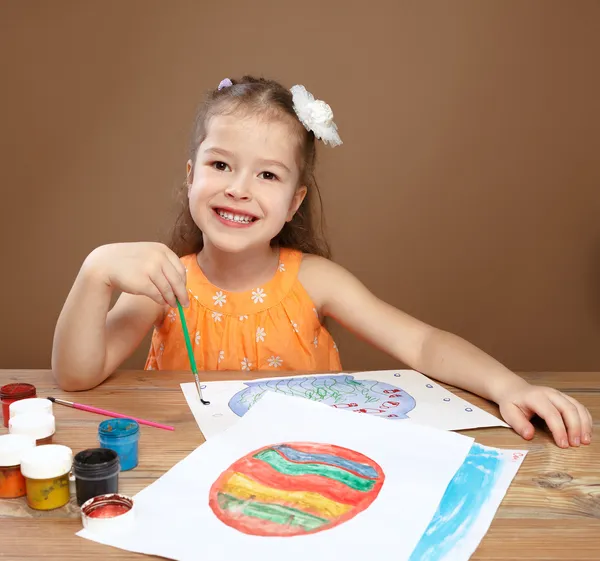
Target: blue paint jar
(122, 436)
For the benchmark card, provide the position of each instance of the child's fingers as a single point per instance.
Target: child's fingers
(152, 292)
(570, 415)
(164, 287)
(518, 421)
(547, 411)
(585, 417)
(178, 265)
(176, 283)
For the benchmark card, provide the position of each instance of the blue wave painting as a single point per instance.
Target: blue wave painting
(341, 391)
(465, 496)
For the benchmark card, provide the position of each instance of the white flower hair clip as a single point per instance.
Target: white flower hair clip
(315, 115)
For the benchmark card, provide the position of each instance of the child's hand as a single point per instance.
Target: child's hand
(143, 268)
(568, 420)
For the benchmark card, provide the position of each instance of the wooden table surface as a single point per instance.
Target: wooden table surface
(551, 510)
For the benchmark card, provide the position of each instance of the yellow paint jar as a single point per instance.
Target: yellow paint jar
(46, 470)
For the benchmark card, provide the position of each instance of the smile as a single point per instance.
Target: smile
(235, 218)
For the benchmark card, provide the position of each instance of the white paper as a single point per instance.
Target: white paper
(403, 394)
(173, 519)
(469, 504)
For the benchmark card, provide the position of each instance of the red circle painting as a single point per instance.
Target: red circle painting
(295, 489)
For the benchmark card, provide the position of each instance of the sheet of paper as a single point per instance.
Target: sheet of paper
(340, 481)
(469, 504)
(392, 394)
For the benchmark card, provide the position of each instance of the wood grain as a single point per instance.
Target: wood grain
(551, 512)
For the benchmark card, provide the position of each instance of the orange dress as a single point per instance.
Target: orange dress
(273, 327)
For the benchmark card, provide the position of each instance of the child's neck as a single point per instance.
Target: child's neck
(238, 272)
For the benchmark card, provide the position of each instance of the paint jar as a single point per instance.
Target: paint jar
(30, 405)
(12, 449)
(122, 436)
(96, 472)
(14, 392)
(39, 425)
(46, 471)
(108, 514)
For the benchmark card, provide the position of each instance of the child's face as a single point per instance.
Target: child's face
(245, 181)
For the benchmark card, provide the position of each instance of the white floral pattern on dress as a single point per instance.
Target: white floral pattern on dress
(172, 316)
(197, 338)
(260, 334)
(258, 295)
(217, 316)
(242, 318)
(275, 361)
(316, 341)
(294, 325)
(221, 356)
(246, 364)
(220, 298)
(281, 268)
(335, 347)
(161, 349)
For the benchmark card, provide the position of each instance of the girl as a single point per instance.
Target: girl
(254, 277)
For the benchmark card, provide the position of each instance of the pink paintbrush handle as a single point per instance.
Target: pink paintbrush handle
(113, 414)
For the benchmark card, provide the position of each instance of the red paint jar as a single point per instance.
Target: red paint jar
(14, 392)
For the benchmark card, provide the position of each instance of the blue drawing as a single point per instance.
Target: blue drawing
(461, 504)
(340, 390)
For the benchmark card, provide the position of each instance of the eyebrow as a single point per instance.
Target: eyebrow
(227, 154)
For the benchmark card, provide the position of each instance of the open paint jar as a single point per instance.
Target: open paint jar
(39, 425)
(122, 436)
(30, 405)
(108, 514)
(46, 471)
(96, 472)
(12, 449)
(14, 392)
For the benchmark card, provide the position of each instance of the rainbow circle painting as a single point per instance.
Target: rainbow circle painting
(295, 489)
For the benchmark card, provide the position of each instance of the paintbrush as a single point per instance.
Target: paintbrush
(107, 413)
(190, 352)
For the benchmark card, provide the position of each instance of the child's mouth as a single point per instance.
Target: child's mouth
(234, 218)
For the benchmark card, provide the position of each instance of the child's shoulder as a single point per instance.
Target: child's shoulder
(322, 278)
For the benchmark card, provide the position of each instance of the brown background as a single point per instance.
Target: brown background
(466, 191)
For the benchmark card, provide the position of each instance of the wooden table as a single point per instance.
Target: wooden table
(551, 511)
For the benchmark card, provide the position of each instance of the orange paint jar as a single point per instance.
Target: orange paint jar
(12, 449)
(14, 392)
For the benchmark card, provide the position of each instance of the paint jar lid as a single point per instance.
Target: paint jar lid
(30, 405)
(47, 461)
(108, 514)
(13, 447)
(38, 425)
(118, 428)
(17, 391)
(96, 463)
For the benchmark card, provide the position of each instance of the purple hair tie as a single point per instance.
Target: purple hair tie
(225, 83)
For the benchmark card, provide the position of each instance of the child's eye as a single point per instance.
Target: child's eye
(221, 166)
(268, 176)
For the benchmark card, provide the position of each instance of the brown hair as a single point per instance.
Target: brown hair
(271, 98)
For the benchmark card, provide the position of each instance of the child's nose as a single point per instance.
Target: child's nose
(239, 191)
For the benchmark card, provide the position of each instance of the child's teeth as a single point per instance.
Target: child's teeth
(235, 217)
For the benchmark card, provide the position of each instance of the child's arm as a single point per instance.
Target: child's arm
(441, 355)
(90, 341)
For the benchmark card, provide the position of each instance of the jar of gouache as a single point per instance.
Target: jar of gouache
(96, 472)
(46, 471)
(30, 405)
(39, 425)
(122, 436)
(14, 392)
(12, 449)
